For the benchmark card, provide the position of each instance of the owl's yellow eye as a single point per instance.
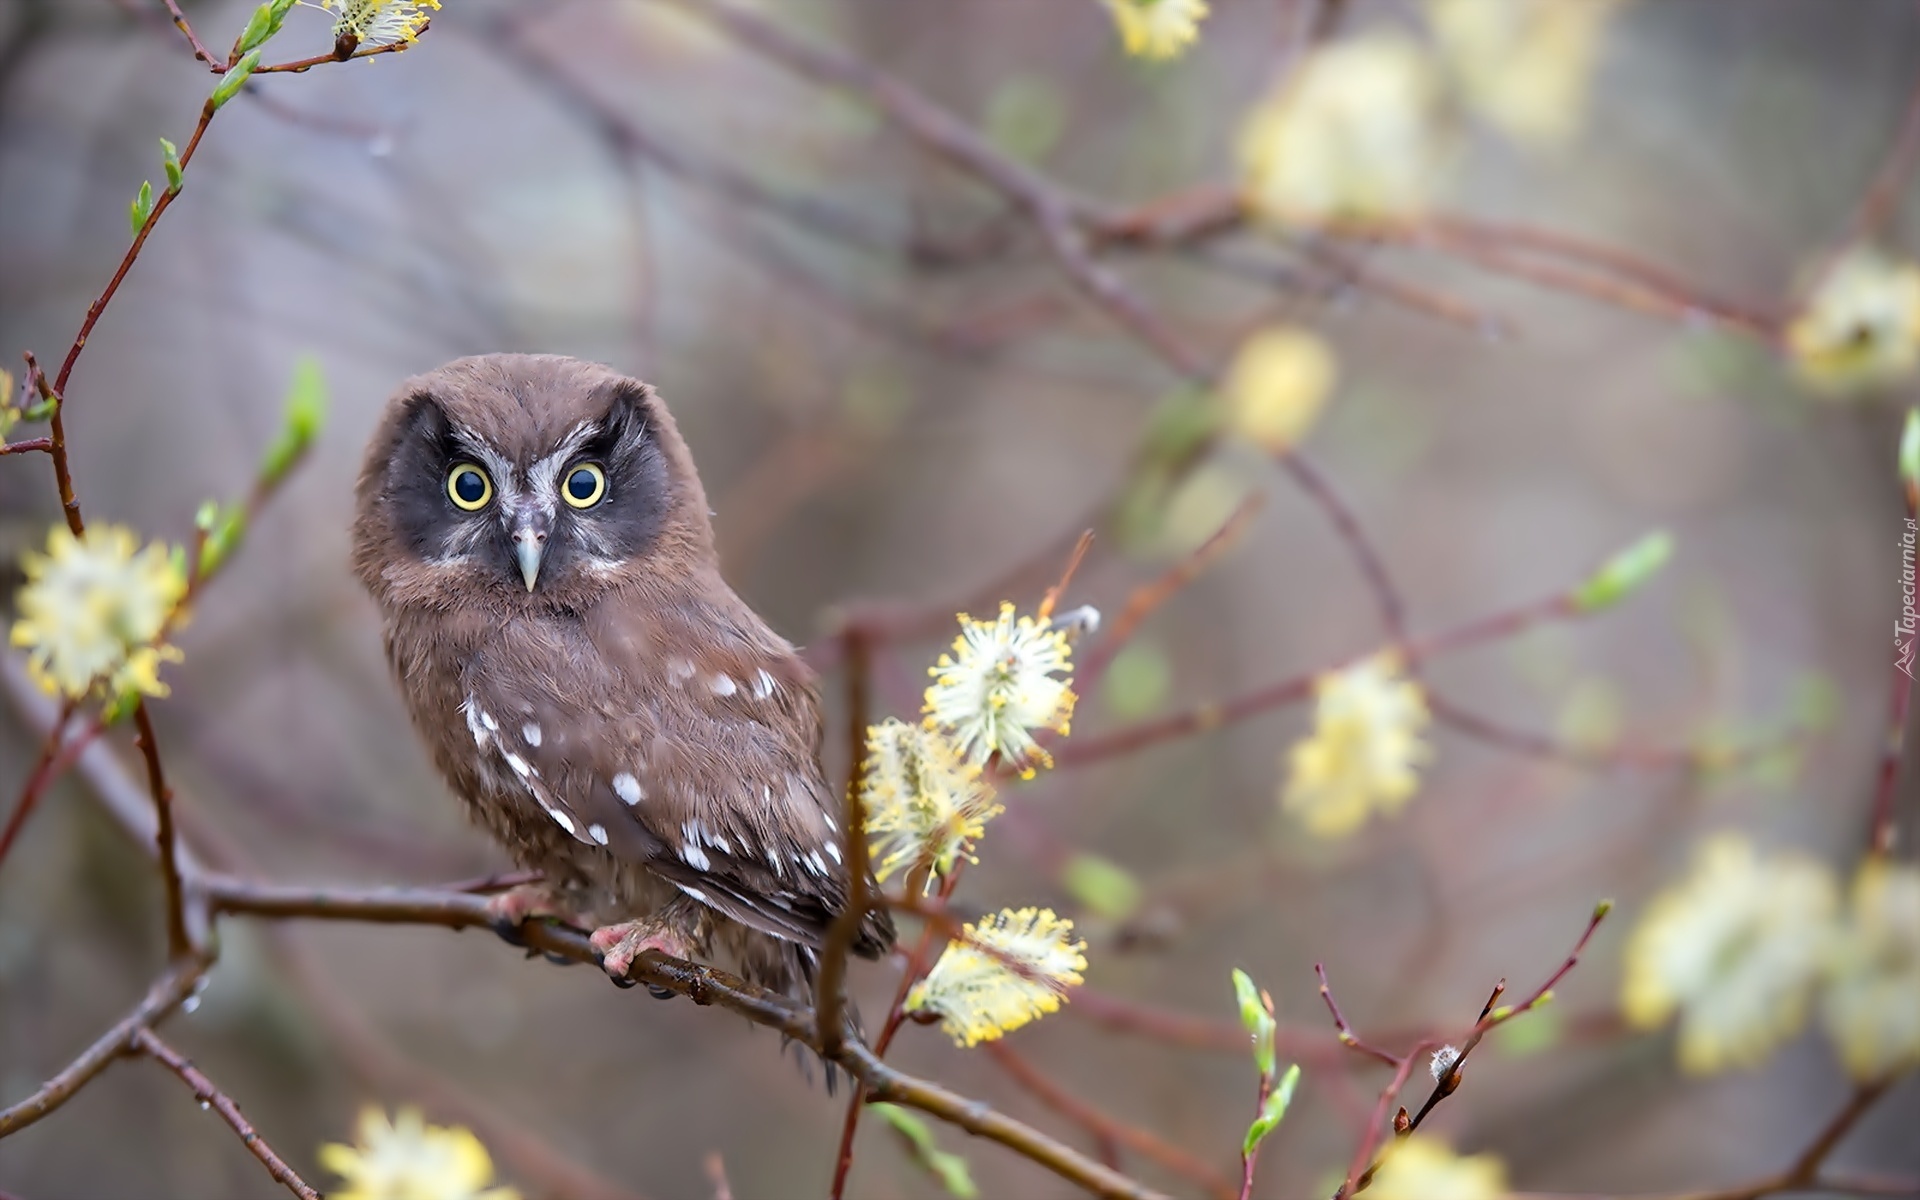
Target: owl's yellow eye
(469, 487)
(585, 485)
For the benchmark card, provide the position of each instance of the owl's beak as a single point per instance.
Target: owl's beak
(529, 547)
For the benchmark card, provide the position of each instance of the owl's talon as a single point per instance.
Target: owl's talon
(620, 945)
(509, 911)
(660, 992)
(622, 982)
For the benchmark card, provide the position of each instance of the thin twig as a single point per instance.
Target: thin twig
(1361, 1170)
(147, 1042)
(1213, 715)
(44, 769)
(1145, 600)
(845, 929)
(167, 993)
(1144, 1142)
(218, 65)
(178, 943)
(1345, 1031)
(703, 985)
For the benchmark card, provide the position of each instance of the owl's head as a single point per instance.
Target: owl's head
(539, 480)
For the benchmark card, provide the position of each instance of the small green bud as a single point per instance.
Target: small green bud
(206, 515)
(306, 412)
(1257, 1015)
(170, 158)
(950, 1169)
(41, 410)
(1273, 1111)
(1102, 885)
(141, 208)
(1620, 575)
(235, 79)
(224, 534)
(1601, 910)
(260, 26)
(1910, 449)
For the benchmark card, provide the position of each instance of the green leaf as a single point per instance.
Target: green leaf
(1257, 1016)
(1183, 424)
(235, 79)
(306, 412)
(949, 1169)
(1137, 681)
(260, 26)
(1620, 575)
(142, 207)
(225, 528)
(170, 158)
(1273, 1111)
(1102, 885)
(1542, 1030)
(1025, 117)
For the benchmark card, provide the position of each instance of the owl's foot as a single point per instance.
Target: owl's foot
(509, 910)
(619, 945)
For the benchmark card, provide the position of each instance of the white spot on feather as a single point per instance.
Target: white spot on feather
(563, 821)
(679, 670)
(520, 765)
(721, 844)
(473, 722)
(763, 684)
(493, 726)
(598, 833)
(628, 789)
(531, 732)
(723, 685)
(833, 849)
(695, 857)
(828, 818)
(817, 864)
(695, 892)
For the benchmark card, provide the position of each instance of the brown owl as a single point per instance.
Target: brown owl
(536, 536)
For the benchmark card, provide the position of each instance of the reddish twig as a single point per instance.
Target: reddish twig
(1805, 1174)
(301, 65)
(1106, 1128)
(1363, 1166)
(1218, 713)
(57, 447)
(178, 944)
(145, 1041)
(217, 65)
(1877, 203)
(1344, 1031)
(1145, 600)
(45, 768)
(42, 445)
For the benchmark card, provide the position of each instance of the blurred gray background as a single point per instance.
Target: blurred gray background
(874, 425)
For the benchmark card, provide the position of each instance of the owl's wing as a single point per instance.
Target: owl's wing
(708, 775)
